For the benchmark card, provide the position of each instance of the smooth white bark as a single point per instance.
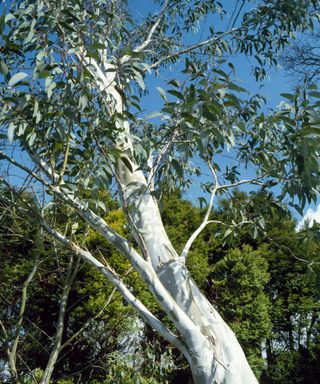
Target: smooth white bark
(211, 348)
(215, 354)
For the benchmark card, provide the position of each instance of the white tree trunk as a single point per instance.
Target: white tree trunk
(216, 356)
(212, 349)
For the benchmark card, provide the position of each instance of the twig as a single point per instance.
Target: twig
(152, 30)
(205, 221)
(193, 47)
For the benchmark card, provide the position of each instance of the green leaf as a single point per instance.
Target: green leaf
(83, 102)
(153, 115)
(99, 46)
(162, 93)
(177, 167)
(11, 129)
(140, 81)
(174, 83)
(230, 65)
(202, 202)
(74, 227)
(31, 138)
(288, 96)
(314, 94)
(227, 233)
(311, 130)
(102, 205)
(236, 88)
(50, 85)
(4, 68)
(204, 139)
(2, 23)
(9, 17)
(44, 74)
(17, 78)
(178, 94)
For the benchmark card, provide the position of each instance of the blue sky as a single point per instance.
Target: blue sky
(272, 87)
(276, 83)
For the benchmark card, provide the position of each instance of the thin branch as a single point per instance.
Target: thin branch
(204, 223)
(153, 29)
(35, 380)
(23, 303)
(5, 334)
(87, 323)
(193, 47)
(309, 262)
(125, 292)
(27, 319)
(162, 153)
(24, 168)
(65, 161)
(249, 181)
(12, 351)
(206, 220)
(71, 274)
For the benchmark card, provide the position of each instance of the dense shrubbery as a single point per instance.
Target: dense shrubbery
(260, 286)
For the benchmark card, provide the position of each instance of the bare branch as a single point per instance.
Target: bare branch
(12, 350)
(206, 220)
(153, 29)
(162, 153)
(249, 181)
(71, 274)
(204, 223)
(194, 47)
(24, 168)
(88, 322)
(125, 292)
(309, 262)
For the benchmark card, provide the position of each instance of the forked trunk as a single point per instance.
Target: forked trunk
(215, 355)
(213, 352)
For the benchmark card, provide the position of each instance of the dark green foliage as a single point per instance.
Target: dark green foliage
(57, 96)
(239, 281)
(260, 286)
(181, 219)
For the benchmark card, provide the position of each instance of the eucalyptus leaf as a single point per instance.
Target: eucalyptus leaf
(17, 78)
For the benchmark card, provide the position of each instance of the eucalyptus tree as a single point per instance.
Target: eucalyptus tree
(74, 74)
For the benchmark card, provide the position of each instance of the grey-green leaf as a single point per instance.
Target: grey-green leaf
(17, 78)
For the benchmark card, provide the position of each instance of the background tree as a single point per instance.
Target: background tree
(302, 59)
(254, 282)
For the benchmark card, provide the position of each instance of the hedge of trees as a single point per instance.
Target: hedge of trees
(265, 287)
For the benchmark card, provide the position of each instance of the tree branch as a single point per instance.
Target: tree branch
(204, 223)
(125, 292)
(206, 220)
(87, 323)
(153, 29)
(175, 313)
(162, 153)
(71, 274)
(12, 351)
(193, 47)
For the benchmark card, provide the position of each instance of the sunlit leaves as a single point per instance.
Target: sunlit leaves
(17, 78)
(283, 148)
(59, 112)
